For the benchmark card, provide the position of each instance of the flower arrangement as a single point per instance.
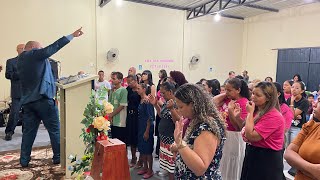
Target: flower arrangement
(96, 128)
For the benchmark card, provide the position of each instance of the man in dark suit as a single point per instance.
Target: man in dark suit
(12, 75)
(37, 93)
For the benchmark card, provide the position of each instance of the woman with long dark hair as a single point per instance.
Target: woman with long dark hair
(169, 115)
(264, 132)
(236, 97)
(162, 77)
(146, 78)
(285, 110)
(299, 105)
(212, 86)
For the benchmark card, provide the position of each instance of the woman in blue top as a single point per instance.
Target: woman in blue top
(145, 131)
(200, 151)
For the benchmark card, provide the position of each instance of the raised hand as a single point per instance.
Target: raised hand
(237, 110)
(152, 99)
(77, 33)
(178, 131)
(250, 107)
(231, 105)
(170, 104)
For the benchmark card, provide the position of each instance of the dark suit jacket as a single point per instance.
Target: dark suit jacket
(35, 77)
(13, 76)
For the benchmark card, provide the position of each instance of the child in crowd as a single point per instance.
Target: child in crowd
(312, 104)
(222, 89)
(146, 116)
(287, 89)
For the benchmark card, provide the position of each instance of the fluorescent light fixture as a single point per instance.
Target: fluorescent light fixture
(217, 17)
(119, 2)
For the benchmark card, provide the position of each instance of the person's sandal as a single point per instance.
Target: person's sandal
(148, 175)
(138, 165)
(133, 162)
(142, 172)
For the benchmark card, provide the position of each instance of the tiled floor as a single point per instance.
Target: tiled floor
(42, 139)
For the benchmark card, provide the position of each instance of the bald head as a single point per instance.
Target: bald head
(20, 48)
(132, 71)
(32, 45)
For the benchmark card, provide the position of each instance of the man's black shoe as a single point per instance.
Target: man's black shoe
(8, 137)
(24, 165)
(19, 123)
(56, 161)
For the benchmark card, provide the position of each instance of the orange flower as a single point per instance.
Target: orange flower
(101, 124)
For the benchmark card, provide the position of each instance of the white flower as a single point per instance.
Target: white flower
(101, 123)
(70, 157)
(70, 168)
(108, 107)
(78, 161)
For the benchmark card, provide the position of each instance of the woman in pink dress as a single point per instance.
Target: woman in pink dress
(236, 97)
(264, 134)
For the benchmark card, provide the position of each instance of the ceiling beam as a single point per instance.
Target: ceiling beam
(223, 6)
(157, 4)
(262, 8)
(255, 6)
(232, 17)
(103, 2)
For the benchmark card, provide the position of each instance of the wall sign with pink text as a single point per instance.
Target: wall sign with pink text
(157, 64)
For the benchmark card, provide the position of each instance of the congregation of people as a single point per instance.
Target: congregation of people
(240, 129)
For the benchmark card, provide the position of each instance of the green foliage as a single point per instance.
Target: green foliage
(89, 133)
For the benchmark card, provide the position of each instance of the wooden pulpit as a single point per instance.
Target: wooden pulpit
(74, 97)
(110, 161)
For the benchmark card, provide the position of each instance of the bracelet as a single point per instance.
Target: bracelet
(182, 145)
(291, 105)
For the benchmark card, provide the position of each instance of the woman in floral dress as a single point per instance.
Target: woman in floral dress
(200, 151)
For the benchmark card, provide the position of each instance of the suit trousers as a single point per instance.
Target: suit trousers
(13, 116)
(32, 113)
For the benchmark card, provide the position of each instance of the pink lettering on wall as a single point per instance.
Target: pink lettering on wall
(155, 64)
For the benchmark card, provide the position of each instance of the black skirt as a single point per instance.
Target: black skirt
(156, 131)
(132, 128)
(262, 164)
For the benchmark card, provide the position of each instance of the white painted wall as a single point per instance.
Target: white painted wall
(46, 21)
(290, 28)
